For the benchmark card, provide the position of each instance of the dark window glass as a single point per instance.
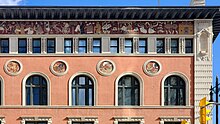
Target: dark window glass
(82, 46)
(36, 90)
(36, 122)
(128, 46)
(82, 91)
(188, 46)
(160, 46)
(128, 122)
(174, 91)
(174, 46)
(22, 45)
(96, 46)
(68, 45)
(82, 122)
(36, 45)
(4, 45)
(142, 46)
(51, 47)
(128, 91)
(114, 46)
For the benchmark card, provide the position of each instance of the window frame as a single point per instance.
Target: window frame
(174, 47)
(177, 88)
(97, 46)
(128, 119)
(133, 87)
(141, 46)
(36, 47)
(141, 84)
(160, 47)
(86, 87)
(36, 119)
(187, 85)
(95, 87)
(129, 46)
(191, 47)
(22, 47)
(114, 46)
(82, 46)
(164, 119)
(33, 86)
(24, 88)
(53, 47)
(71, 120)
(71, 45)
(2, 47)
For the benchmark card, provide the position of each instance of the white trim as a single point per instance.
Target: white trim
(150, 74)
(13, 74)
(54, 72)
(174, 119)
(129, 119)
(141, 81)
(24, 89)
(83, 119)
(95, 86)
(187, 86)
(2, 120)
(103, 73)
(24, 119)
(2, 97)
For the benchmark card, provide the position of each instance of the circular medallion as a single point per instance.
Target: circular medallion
(59, 67)
(13, 67)
(152, 67)
(106, 67)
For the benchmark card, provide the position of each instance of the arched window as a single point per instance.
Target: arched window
(128, 91)
(82, 91)
(174, 91)
(36, 90)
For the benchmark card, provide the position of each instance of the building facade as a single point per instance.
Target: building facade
(105, 65)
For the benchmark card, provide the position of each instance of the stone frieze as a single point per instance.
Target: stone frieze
(95, 27)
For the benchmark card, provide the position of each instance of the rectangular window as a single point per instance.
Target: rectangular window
(174, 46)
(4, 45)
(160, 46)
(22, 45)
(51, 47)
(36, 122)
(96, 46)
(36, 45)
(189, 46)
(68, 46)
(82, 48)
(114, 46)
(142, 46)
(128, 46)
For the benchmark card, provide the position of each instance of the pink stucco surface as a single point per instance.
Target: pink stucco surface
(13, 109)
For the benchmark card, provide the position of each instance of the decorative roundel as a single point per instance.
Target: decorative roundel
(152, 67)
(13, 67)
(59, 67)
(106, 67)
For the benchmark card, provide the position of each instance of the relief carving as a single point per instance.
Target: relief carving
(95, 27)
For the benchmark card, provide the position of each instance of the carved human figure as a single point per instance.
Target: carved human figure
(13, 67)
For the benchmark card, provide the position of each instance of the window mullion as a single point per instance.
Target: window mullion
(77, 92)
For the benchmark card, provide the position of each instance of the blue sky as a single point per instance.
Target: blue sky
(216, 45)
